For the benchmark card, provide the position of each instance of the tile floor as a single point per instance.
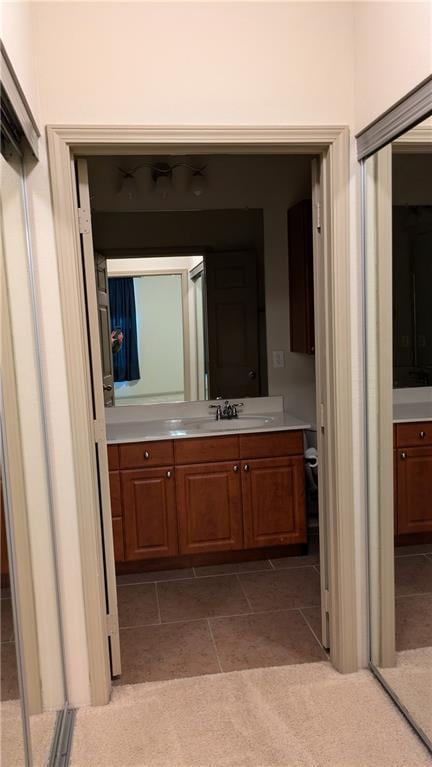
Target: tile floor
(413, 589)
(208, 620)
(8, 665)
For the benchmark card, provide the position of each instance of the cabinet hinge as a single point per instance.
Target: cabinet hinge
(99, 431)
(111, 624)
(83, 221)
(322, 417)
(318, 216)
(327, 601)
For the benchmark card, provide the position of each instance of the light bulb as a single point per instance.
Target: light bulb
(198, 184)
(128, 186)
(163, 185)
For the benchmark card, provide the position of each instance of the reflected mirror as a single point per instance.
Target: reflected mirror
(398, 242)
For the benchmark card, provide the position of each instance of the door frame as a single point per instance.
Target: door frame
(65, 143)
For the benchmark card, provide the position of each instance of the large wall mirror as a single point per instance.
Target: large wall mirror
(397, 183)
(204, 272)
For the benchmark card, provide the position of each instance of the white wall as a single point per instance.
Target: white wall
(393, 53)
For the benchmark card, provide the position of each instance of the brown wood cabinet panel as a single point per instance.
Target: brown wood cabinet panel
(209, 507)
(414, 434)
(3, 552)
(113, 459)
(414, 489)
(301, 283)
(119, 550)
(206, 449)
(274, 501)
(115, 492)
(272, 444)
(146, 454)
(149, 513)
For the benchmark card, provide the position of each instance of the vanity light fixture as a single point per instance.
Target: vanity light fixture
(162, 177)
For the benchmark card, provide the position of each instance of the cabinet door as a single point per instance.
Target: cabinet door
(209, 507)
(274, 501)
(414, 490)
(149, 513)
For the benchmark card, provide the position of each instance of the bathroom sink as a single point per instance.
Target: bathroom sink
(242, 422)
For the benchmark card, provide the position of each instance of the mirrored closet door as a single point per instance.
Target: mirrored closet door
(32, 669)
(397, 206)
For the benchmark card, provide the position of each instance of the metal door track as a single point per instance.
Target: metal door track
(62, 742)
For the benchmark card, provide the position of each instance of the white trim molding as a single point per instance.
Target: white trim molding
(331, 144)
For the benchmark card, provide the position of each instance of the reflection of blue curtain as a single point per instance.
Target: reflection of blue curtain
(123, 316)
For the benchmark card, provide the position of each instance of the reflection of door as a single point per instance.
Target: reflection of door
(104, 329)
(232, 316)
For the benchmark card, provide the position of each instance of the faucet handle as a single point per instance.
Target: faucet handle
(238, 404)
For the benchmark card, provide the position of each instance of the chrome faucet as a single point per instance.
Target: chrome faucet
(228, 411)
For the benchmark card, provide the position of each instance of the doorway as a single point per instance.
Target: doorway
(338, 593)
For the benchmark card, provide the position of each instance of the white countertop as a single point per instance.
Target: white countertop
(405, 412)
(186, 428)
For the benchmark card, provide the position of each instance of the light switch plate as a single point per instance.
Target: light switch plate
(278, 359)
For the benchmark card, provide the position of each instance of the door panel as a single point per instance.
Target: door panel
(274, 501)
(232, 317)
(414, 485)
(149, 512)
(209, 507)
(93, 296)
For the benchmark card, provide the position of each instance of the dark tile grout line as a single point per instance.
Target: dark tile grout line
(415, 594)
(218, 617)
(214, 646)
(218, 575)
(311, 629)
(244, 594)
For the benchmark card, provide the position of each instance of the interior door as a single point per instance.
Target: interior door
(321, 373)
(101, 274)
(232, 322)
(96, 364)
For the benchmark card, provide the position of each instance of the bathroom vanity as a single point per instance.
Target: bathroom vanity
(413, 471)
(199, 493)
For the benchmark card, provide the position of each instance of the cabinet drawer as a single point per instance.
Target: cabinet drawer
(272, 445)
(206, 449)
(117, 524)
(115, 493)
(414, 434)
(146, 454)
(113, 461)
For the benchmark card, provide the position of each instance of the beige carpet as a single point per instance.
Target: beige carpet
(411, 680)
(292, 716)
(12, 748)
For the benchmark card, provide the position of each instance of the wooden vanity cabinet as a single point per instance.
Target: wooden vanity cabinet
(150, 518)
(273, 491)
(217, 494)
(413, 478)
(209, 507)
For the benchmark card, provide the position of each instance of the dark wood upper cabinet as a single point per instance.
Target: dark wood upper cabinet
(149, 512)
(274, 501)
(301, 285)
(209, 507)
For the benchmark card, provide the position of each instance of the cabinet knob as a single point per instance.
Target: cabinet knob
(235, 468)
(246, 467)
(403, 456)
(146, 455)
(168, 474)
(422, 435)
